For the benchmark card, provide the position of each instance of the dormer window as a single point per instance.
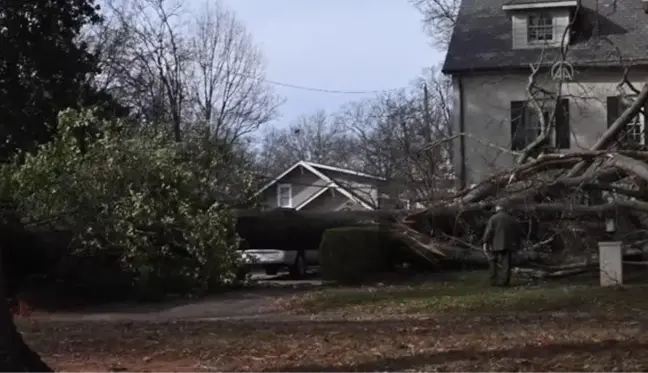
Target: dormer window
(540, 23)
(540, 28)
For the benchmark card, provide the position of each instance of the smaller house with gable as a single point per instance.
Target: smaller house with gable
(311, 186)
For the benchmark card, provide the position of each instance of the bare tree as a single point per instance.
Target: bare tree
(147, 66)
(400, 136)
(178, 67)
(109, 41)
(439, 17)
(317, 137)
(227, 88)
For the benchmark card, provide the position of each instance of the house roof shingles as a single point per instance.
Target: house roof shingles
(519, 2)
(482, 37)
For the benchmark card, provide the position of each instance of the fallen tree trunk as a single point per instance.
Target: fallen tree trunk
(543, 190)
(615, 128)
(540, 274)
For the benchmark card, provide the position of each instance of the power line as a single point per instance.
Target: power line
(314, 89)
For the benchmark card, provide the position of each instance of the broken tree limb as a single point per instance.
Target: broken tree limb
(608, 187)
(545, 126)
(543, 163)
(630, 165)
(567, 270)
(539, 274)
(550, 201)
(617, 126)
(567, 266)
(631, 262)
(422, 244)
(577, 209)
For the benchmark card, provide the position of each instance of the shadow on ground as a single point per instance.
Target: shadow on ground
(526, 357)
(254, 300)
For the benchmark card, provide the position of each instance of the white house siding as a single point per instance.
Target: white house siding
(487, 118)
(331, 200)
(365, 188)
(304, 185)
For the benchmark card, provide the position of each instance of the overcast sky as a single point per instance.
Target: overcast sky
(352, 45)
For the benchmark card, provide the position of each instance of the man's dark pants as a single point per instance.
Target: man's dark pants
(500, 268)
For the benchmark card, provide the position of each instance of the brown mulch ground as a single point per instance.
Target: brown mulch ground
(476, 343)
(454, 326)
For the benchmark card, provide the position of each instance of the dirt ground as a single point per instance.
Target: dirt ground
(495, 343)
(443, 326)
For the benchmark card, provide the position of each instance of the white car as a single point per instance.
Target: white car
(273, 260)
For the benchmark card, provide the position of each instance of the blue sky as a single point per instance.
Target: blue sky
(353, 45)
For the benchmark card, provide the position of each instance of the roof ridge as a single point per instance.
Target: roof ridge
(342, 169)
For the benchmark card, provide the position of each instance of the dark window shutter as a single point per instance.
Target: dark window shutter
(517, 122)
(613, 106)
(645, 129)
(562, 128)
(547, 118)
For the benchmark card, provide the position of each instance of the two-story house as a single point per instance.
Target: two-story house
(493, 45)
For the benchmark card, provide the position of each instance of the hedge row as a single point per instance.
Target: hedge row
(350, 255)
(285, 229)
(349, 252)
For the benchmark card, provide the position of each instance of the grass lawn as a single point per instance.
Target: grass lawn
(468, 293)
(467, 327)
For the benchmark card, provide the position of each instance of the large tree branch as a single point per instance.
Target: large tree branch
(619, 124)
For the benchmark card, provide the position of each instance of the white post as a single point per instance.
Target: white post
(611, 263)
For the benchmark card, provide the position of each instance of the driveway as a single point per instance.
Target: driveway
(256, 302)
(283, 279)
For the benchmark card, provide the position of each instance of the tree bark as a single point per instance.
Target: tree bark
(15, 355)
(616, 127)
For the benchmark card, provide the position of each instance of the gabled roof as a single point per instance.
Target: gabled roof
(312, 198)
(344, 171)
(521, 2)
(482, 37)
(331, 184)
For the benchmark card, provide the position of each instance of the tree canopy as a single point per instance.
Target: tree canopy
(44, 67)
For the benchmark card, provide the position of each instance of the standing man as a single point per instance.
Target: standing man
(501, 237)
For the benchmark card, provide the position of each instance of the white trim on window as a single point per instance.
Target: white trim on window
(284, 188)
(540, 28)
(635, 129)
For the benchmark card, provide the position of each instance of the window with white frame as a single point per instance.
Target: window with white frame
(540, 28)
(284, 195)
(635, 129)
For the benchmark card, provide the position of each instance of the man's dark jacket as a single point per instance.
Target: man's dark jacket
(502, 232)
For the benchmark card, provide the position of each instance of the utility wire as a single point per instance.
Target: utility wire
(313, 89)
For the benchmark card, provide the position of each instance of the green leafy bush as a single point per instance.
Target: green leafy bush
(159, 209)
(350, 255)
